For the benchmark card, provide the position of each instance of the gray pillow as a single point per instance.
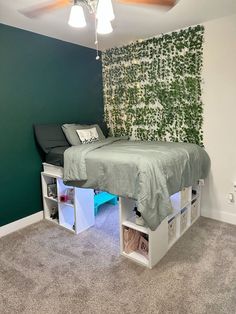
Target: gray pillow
(72, 136)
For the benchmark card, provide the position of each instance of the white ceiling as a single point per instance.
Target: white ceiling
(131, 22)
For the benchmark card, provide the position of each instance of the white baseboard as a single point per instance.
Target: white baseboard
(219, 215)
(21, 223)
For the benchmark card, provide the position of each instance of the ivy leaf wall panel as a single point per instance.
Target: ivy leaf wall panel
(152, 88)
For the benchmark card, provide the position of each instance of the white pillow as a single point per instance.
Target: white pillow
(88, 135)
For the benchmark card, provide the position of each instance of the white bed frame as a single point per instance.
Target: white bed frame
(79, 216)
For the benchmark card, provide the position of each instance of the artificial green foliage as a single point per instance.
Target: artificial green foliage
(152, 88)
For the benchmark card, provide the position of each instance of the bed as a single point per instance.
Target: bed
(148, 172)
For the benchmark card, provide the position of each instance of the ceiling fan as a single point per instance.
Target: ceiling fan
(101, 9)
(44, 7)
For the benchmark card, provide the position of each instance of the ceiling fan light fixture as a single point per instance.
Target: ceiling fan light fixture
(105, 10)
(104, 27)
(77, 18)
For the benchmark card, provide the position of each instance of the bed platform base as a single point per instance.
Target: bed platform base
(76, 213)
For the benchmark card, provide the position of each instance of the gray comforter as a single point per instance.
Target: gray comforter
(148, 172)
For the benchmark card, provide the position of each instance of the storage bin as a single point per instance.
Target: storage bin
(194, 210)
(172, 230)
(185, 196)
(183, 220)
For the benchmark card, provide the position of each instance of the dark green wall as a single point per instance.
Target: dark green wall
(42, 80)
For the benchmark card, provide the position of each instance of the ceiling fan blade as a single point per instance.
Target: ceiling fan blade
(44, 7)
(168, 3)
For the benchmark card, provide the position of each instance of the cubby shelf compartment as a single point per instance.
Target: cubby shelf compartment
(167, 233)
(156, 248)
(50, 207)
(131, 224)
(66, 204)
(77, 215)
(137, 257)
(181, 199)
(136, 254)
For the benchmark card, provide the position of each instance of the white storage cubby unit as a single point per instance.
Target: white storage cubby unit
(186, 210)
(157, 240)
(76, 212)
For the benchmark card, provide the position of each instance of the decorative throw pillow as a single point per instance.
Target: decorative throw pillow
(88, 135)
(72, 136)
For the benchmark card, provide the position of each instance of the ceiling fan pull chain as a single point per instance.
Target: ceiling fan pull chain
(96, 36)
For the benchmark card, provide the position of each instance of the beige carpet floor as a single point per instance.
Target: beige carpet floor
(46, 269)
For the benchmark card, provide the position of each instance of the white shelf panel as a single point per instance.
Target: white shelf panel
(51, 175)
(53, 171)
(131, 224)
(182, 232)
(194, 197)
(194, 220)
(67, 226)
(66, 204)
(185, 205)
(51, 198)
(55, 221)
(137, 257)
(174, 214)
(177, 211)
(172, 243)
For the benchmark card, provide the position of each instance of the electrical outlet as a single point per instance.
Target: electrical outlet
(230, 198)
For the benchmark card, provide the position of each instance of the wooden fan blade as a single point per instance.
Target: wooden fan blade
(44, 7)
(168, 3)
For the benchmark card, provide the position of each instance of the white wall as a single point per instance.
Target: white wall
(219, 98)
